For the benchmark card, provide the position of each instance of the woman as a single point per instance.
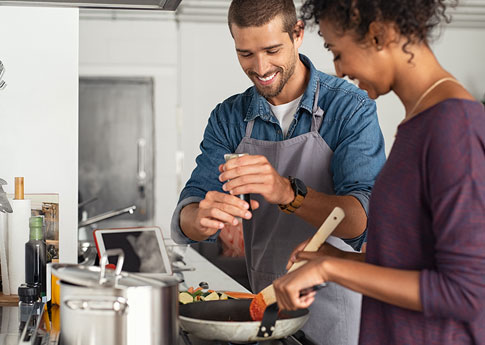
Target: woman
(423, 278)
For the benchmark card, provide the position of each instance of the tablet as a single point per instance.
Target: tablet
(144, 249)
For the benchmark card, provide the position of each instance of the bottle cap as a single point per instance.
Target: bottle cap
(35, 224)
(28, 293)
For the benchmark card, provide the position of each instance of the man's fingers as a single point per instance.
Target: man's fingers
(237, 171)
(211, 223)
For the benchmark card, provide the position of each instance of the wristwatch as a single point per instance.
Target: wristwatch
(300, 191)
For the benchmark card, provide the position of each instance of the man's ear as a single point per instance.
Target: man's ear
(298, 32)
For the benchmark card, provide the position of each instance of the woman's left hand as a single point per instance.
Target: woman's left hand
(288, 287)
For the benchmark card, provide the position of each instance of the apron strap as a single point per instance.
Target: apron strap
(249, 129)
(317, 116)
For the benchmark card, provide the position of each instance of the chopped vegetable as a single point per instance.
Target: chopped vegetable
(213, 296)
(185, 297)
(199, 294)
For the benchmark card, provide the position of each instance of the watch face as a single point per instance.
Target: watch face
(301, 188)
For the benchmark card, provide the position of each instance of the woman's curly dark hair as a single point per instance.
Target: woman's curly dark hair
(414, 19)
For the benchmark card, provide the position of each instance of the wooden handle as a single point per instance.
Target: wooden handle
(328, 226)
(19, 188)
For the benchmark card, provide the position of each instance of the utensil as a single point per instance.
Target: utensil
(3, 84)
(4, 204)
(267, 296)
(267, 326)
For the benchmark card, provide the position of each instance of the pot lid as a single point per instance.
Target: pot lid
(91, 276)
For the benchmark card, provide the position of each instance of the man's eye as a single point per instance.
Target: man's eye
(274, 51)
(337, 57)
(245, 54)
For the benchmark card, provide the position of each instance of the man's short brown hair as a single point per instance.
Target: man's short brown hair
(247, 13)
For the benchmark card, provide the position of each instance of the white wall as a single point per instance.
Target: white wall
(127, 47)
(39, 108)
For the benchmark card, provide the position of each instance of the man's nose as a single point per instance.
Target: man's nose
(261, 66)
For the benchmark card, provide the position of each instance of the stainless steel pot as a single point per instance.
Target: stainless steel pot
(99, 306)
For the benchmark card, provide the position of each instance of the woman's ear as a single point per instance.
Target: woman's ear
(378, 35)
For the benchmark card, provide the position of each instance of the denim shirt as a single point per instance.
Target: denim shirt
(350, 128)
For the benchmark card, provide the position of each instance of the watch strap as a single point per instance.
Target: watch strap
(297, 201)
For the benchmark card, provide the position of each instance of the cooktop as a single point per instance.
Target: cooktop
(296, 339)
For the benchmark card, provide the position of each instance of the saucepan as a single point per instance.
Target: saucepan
(229, 320)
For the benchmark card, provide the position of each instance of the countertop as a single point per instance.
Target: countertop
(205, 271)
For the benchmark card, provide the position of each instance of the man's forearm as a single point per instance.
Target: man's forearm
(317, 206)
(188, 215)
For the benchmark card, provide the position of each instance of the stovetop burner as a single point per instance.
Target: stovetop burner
(296, 339)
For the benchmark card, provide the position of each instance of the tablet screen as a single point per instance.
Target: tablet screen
(142, 248)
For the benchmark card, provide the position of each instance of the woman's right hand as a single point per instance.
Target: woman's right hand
(287, 288)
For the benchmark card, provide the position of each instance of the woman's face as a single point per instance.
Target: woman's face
(367, 65)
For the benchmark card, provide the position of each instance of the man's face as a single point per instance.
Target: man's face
(267, 55)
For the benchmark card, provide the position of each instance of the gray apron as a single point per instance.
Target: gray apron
(271, 235)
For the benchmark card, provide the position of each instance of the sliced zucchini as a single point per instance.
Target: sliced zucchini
(213, 296)
(185, 297)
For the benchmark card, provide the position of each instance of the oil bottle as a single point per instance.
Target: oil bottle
(35, 256)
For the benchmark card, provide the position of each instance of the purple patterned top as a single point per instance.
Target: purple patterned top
(427, 213)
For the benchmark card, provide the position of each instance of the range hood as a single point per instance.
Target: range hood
(168, 5)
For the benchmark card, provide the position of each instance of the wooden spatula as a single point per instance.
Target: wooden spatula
(267, 296)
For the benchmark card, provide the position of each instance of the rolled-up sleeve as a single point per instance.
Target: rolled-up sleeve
(358, 158)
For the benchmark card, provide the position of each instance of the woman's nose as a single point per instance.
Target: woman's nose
(338, 70)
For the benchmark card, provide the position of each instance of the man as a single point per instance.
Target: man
(314, 143)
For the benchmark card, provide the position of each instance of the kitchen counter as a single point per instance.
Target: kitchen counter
(205, 271)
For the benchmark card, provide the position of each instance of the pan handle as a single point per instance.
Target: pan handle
(104, 261)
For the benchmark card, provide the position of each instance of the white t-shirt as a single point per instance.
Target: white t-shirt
(285, 112)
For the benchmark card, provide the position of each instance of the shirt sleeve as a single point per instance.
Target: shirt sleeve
(455, 161)
(205, 176)
(358, 158)
(359, 154)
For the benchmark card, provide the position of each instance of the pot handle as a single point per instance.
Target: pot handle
(117, 304)
(104, 261)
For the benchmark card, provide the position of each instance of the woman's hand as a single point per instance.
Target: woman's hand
(288, 287)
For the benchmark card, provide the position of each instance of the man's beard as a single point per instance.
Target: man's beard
(274, 90)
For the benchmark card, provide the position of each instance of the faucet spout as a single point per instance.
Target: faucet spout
(107, 215)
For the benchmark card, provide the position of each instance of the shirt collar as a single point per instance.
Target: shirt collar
(259, 105)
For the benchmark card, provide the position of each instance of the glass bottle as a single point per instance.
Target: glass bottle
(35, 256)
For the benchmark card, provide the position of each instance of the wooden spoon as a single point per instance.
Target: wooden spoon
(267, 296)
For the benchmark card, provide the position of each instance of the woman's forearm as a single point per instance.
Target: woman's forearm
(393, 286)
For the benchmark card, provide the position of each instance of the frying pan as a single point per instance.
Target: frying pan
(229, 320)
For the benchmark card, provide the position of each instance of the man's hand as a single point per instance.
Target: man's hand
(253, 174)
(199, 221)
